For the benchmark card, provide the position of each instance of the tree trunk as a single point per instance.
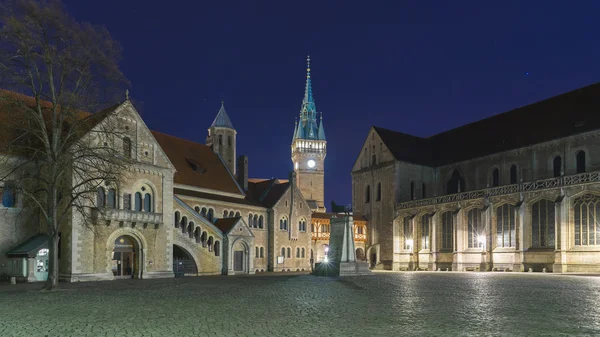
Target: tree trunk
(53, 267)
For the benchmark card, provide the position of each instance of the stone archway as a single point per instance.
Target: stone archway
(184, 262)
(360, 254)
(133, 246)
(239, 257)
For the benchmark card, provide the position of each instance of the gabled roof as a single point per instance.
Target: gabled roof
(226, 224)
(29, 247)
(196, 164)
(568, 114)
(222, 120)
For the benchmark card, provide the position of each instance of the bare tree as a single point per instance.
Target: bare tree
(55, 154)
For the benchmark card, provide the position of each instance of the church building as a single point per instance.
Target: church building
(518, 191)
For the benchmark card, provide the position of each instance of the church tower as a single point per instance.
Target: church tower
(221, 138)
(309, 148)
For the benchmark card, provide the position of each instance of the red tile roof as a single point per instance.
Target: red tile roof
(196, 164)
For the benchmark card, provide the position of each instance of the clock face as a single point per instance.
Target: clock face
(311, 163)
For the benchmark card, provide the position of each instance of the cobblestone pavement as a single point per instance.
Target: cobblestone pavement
(386, 304)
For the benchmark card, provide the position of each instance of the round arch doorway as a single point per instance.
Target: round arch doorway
(124, 258)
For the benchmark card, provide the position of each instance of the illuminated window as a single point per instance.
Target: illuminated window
(505, 226)
(586, 210)
(408, 235)
(542, 224)
(475, 228)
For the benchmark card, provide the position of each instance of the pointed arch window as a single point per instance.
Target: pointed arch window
(203, 212)
(580, 159)
(557, 166)
(586, 210)
(282, 251)
(505, 226)
(289, 252)
(368, 194)
(412, 190)
(255, 221)
(513, 174)
(447, 231)
(425, 230)
(543, 224)
(475, 228)
(378, 192)
(495, 177)
(455, 184)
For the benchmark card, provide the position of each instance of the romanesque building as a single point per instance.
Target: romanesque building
(182, 208)
(518, 191)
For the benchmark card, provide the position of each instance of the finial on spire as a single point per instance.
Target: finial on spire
(127, 94)
(308, 66)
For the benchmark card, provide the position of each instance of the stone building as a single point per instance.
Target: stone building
(321, 230)
(517, 191)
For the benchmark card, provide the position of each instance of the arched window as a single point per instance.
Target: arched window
(425, 230)
(256, 252)
(197, 234)
(217, 248)
(127, 147)
(225, 213)
(262, 252)
(209, 215)
(220, 139)
(303, 253)
(203, 212)
(261, 219)
(447, 231)
(100, 197)
(203, 239)
(412, 190)
(513, 174)
(557, 166)
(197, 209)
(111, 201)
(190, 229)
(476, 235)
(237, 214)
(297, 252)
(580, 158)
(378, 192)
(373, 160)
(368, 194)
(148, 203)
(184, 223)
(423, 190)
(282, 251)
(9, 196)
(210, 243)
(408, 233)
(283, 223)
(495, 177)
(455, 184)
(505, 226)
(586, 210)
(138, 201)
(255, 221)
(177, 218)
(229, 140)
(542, 224)
(325, 228)
(289, 252)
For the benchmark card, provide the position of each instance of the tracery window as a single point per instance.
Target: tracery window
(425, 230)
(505, 226)
(408, 233)
(283, 223)
(475, 228)
(447, 231)
(543, 223)
(586, 210)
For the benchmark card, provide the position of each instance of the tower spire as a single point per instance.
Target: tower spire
(308, 110)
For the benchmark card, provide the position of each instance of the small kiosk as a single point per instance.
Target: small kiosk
(29, 260)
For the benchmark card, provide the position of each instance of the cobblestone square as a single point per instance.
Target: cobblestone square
(386, 304)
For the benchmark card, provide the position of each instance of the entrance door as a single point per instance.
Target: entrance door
(238, 261)
(123, 258)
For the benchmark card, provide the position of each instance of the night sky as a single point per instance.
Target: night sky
(419, 67)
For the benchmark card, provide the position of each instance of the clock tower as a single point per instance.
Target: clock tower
(309, 149)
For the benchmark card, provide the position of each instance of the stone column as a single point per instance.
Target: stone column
(459, 242)
(563, 234)
(488, 259)
(433, 235)
(519, 258)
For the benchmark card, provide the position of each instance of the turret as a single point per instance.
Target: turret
(222, 138)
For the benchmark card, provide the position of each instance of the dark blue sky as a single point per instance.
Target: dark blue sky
(419, 67)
